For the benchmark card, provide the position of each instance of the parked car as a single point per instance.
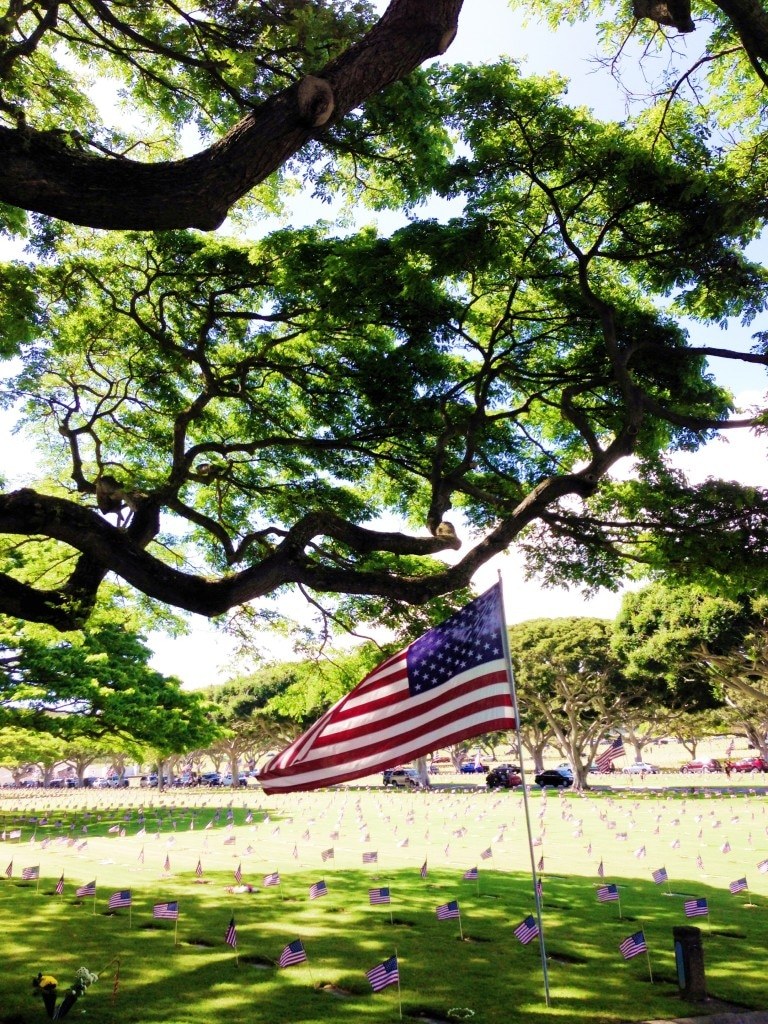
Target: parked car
(561, 778)
(640, 768)
(226, 780)
(401, 778)
(505, 776)
(749, 764)
(470, 768)
(210, 779)
(707, 765)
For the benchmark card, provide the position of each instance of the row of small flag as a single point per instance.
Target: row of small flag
(692, 908)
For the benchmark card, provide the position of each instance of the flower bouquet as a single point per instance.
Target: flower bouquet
(47, 987)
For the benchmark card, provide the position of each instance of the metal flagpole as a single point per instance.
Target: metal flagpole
(516, 712)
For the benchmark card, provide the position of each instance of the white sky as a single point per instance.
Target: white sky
(487, 29)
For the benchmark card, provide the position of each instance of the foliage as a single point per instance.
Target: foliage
(256, 414)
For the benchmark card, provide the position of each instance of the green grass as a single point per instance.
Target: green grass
(489, 971)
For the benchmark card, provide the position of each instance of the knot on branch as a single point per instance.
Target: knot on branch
(315, 101)
(444, 531)
(675, 13)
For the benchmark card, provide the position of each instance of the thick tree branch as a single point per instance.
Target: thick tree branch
(39, 172)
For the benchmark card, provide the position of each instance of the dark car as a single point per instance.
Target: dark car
(561, 778)
(470, 768)
(403, 778)
(707, 765)
(506, 776)
(749, 764)
(210, 779)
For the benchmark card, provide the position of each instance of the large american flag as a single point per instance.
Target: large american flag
(606, 757)
(606, 893)
(449, 685)
(380, 895)
(318, 889)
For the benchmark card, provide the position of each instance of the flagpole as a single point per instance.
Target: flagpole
(516, 712)
(399, 994)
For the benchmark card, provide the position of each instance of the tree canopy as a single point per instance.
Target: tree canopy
(254, 414)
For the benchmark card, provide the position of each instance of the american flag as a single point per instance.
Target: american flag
(471, 875)
(449, 685)
(114, 829)
(383, 974)
(380, 895)
(239, 874)
(273, 878)
(199, 869)
(166, 911)
(738, 886)
(447, 910)
(230, 936)
(423, 870)
(600, 870)
(9, 870)
(120, 899)
(327, 854)
(167, 864)
(86, 890)
(633, 945)
(60, 886)
(660, 875)
(696, 908)
(762, 867)
(294, 953)
(486, 853)
(606, 893)
(31, 873)
(370, 857)
(606, 758)
(527, 930)
(318, 889)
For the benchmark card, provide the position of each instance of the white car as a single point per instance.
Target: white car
(640, 768)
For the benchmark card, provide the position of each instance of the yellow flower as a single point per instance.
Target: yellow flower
(46, 981)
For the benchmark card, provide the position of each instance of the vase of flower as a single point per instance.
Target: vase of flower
(65, 1005)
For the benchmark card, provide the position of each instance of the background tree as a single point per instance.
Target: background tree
(23, 750)
(567, 674)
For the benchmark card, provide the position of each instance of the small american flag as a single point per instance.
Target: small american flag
(423, 870)
(60, 886)
(248, 818)
(230, 936)
(660, 875)
(273, 878)
(166, 911)
(696, 908)
(328, 854)
(540, 865)
(230, 841)
(239, 874)
(471, 875)
(31, 873)
(294, 953)
(633, 945)
(601, 870)
(486, 853)
(527, 930)
(606, 893)
(383, 974)
(738, 886)
(199, 869)
(318, 889)
(86, 890)
(9, 870)
(115, 829)
(167, 864)
(370, 857)
(380, 895)
(447, 910)
(120, 899)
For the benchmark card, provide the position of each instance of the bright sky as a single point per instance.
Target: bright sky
(487, 29)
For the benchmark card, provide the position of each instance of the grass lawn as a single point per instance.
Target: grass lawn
(184, 973)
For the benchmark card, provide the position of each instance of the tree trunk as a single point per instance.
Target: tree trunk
(40, 172)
